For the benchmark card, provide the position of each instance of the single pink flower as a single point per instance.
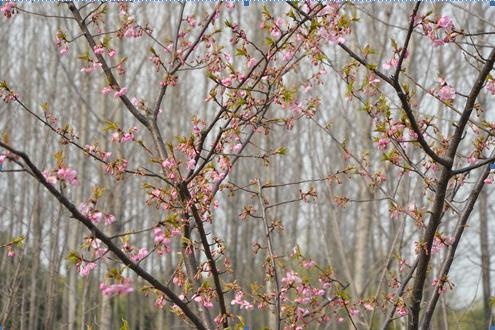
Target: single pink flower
(106, 90)
(51, 179)
(160, 302)
(127, 137)
(308, 264)
(382, 144)
(227, 82)
(191, 164)
(121, 92)
(368, 306)
(402, 311)
(445, 22)
(98, 49)
(106, 155)
(488, 181)
(111, 52)
(68, 175)
(275, 32)
(390, 64)
(237, 147)
(288, 55)
(446, 93)
(64, 50)
(109, 219)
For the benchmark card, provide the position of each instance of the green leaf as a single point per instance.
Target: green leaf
(73, 258)
(125, 325)
(110, 126)
(281, 151)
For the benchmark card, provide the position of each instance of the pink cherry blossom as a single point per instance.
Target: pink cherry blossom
(368, 306)
(191, 164)
(488, 181)
(126, 137)
(382, 144)
(117, 289)
(68, 175)
(86, 269)
(401, 310)
(8, 9)
(236, 148)
(392, 63)
(275, 32)
(353, 311)
(160, 302)
(121, 92)
(10, 252)
(109, 219)
(288, 55)
(111, 52)
(206, 302)
(142, 253)
(291, 278)
(95, 217)
(445, 22)
(238, 300)
(308, 264)
(98, 49)
(251, 62)
(227, 81)
(50, 178)
(106, 90)
(159, 235)
(191, 21)
(64, 50)
(446, 93)
(106, 155)
(94, 66)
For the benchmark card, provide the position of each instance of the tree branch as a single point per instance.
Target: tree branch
(106, 240)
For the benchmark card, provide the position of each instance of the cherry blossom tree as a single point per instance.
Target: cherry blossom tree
(258, 87)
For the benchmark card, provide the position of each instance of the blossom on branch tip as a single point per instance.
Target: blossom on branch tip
(8, 9)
